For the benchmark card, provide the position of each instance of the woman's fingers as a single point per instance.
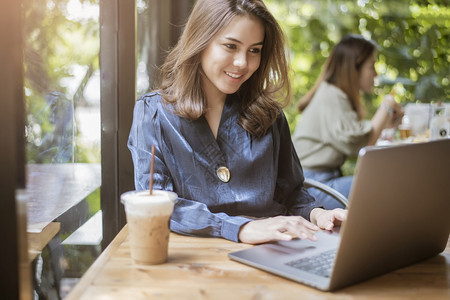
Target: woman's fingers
(299, 227)
(277, 228)
(327, 219)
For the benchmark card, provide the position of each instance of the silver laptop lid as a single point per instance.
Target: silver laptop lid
(399, 210)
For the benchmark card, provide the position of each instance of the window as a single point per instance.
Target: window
(72, 134)
(62, 131)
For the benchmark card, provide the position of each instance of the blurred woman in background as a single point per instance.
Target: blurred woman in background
(332, 125)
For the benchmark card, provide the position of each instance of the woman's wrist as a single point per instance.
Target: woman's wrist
(388, 105)
(388, 109)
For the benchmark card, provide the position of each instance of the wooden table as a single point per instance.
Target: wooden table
(198, 268)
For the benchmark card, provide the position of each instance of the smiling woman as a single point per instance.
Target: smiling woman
(182, 68)
(230, 59)
(222, 141)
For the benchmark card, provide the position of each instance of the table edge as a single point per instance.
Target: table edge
(97, 266)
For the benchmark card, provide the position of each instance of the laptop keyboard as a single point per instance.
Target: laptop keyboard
(320, 264)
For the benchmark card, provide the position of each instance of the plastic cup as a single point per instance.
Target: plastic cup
(148, 224)
(405, 131)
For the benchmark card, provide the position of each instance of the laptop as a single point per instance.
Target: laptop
(398, 214)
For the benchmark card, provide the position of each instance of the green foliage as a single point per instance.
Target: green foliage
(93, 202)
(413, 36)
(56, 44)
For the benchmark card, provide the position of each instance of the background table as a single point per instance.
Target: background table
(198, 268)
(54, 190)
(56, 196)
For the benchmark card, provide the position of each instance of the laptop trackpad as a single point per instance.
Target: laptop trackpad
(298, 247)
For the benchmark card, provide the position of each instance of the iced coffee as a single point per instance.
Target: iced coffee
(148, 224)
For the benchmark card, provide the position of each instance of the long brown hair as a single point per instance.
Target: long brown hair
(342, 70)
(259, 95)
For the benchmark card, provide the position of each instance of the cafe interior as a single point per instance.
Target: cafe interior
(62, 221)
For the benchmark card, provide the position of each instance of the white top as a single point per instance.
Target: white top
(329, 130)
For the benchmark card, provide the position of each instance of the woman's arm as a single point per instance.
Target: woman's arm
(284, 228)
(389, 113)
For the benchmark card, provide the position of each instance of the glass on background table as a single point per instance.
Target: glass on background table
(422, 122)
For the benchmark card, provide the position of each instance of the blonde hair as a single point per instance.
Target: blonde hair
(342, 70)
(181, 72)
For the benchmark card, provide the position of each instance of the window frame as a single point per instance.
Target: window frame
(15, 272)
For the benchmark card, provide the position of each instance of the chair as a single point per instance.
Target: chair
(311, 183)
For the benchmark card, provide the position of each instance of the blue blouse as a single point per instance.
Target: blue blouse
(266, 178)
